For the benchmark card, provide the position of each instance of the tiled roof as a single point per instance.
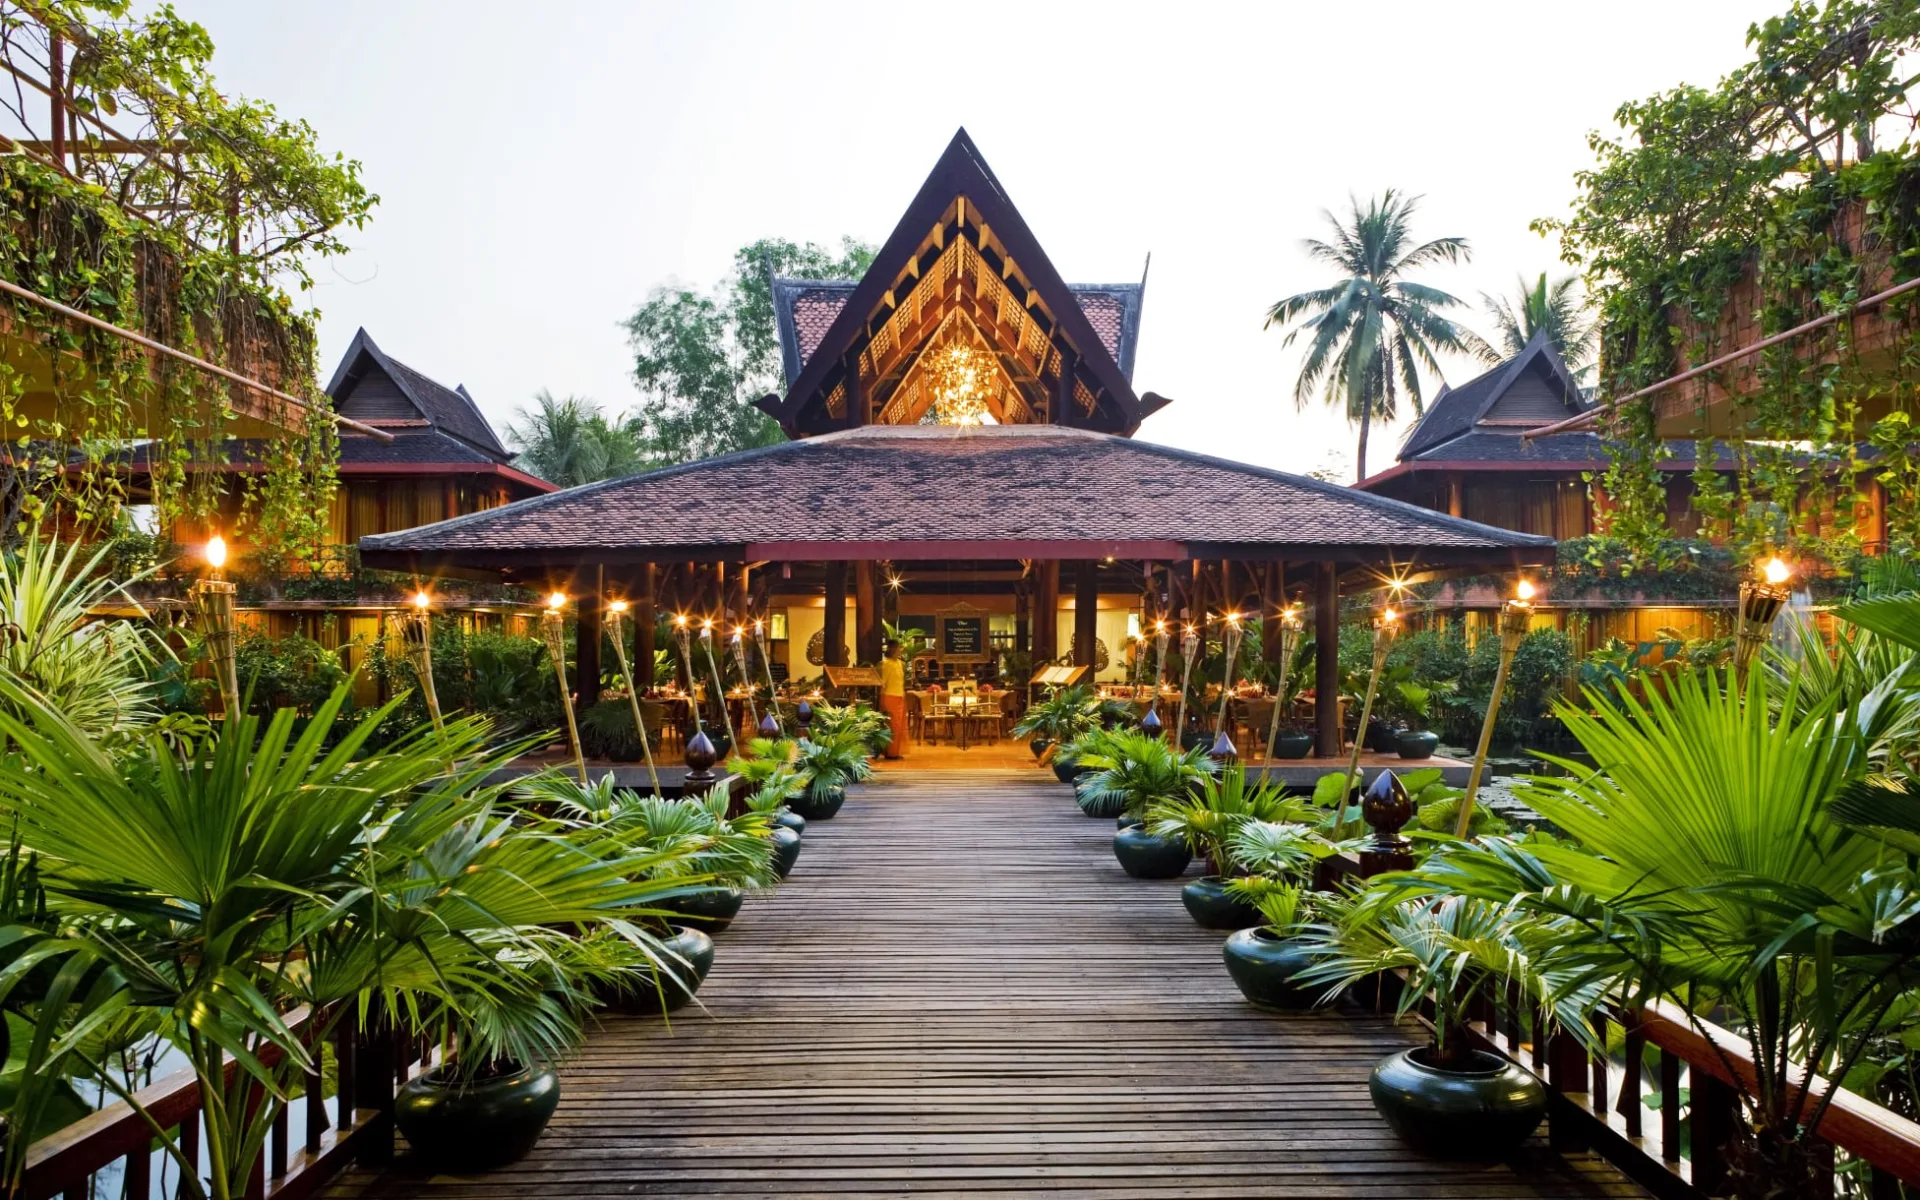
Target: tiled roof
(409, 449)
(1570, 450)
(935, 484)
(804, 309)
(1457, 410)
(449, 409)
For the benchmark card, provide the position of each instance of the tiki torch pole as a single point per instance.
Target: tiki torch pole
(1151, 722)
(700, 753)
(1223, 750)
(719, 689)
(1515, 615)
(1760, 602)
(1289, 640)
(773, 689)
(1383, 631)
(419, 643)
(681, 638)
(746, 680)
(213, 600)
(1189, 647)
(616, 621)
(553, 628)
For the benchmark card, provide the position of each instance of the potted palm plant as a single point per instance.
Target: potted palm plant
(1266, 959)
(830, 762)
(1063, 715)
(1134, 771)
(1205, 818)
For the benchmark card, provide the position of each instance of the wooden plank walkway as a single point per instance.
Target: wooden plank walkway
(958, 992)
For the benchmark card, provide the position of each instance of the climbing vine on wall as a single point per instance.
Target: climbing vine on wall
(1790, 187)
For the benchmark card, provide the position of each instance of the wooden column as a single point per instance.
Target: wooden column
(1023, 616)
(1046, 613)
(1063, 403)
(1086, 611)
(645, 618)
(868, 629)
(1273, 599)
(836, 616)
(1326, 661)
(586, 650)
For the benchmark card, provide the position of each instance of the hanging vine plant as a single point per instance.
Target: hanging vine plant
(1787, 192)
(174, 212)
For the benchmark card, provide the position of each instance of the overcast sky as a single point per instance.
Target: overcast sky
(542, 167)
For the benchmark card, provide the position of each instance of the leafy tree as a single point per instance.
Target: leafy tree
(701, 359)
(1369, 332)
(1555, 309)
(570, 442)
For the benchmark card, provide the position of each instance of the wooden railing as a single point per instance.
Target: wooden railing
(370, 1066)
(1599, 1100)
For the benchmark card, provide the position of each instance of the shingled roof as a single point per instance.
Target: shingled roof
(933, 492)
(804, 309)
(414, 398)
(1531, 389)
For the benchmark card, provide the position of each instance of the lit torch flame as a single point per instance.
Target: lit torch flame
(1524, 591)
(216, 552)
(1777, 572)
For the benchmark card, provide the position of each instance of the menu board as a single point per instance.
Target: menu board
(853, 676)
(963, 639)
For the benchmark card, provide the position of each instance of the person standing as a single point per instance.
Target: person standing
(893, 697)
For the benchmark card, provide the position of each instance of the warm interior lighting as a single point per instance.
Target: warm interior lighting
(216, 552)
(1524, 590)
(421, 600)
(1777, 572)
(557, 601)
(618, 606)
(959, 384)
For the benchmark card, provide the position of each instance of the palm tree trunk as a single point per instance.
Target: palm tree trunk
(1360, 464)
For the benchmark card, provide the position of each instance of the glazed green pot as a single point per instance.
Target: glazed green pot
(1482, 1112)
(1264, 968)
(1039, 745)
(460, 1129)
(1209, 904)
(1123, 821)
(791, 819)
(671, 993)
(1293, 745)
(1145, 856)
(1418, 743)
(1382, 738)
(786, 850)
(819, 808)
(1066, 772)
(711, 909)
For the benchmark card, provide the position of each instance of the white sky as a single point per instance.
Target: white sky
(539, 176)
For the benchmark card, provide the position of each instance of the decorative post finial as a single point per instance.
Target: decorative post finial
(1386, 807)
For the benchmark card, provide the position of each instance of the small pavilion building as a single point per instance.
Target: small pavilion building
(962, 461)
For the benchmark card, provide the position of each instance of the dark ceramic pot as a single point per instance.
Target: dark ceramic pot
(460, 1129)
(791, 819)
(1066, 772)
(711, 909)
(1382, 738)
(1209, 904)
(1123, 821)
(1039, 745)
(1264, 968)
(1418, 743)
(670, 993)
(1195, 738)
(786, 850)
(818, 808)
(1293, 745)
(1145, 856)
(1482, 1112)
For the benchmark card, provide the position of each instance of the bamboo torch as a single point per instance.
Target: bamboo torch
(1760, 602)
(1515, 615)
(1189, 649)
(616, 622)
(213, 600)
(553, 628)
(1290, 628)
(1223, 750)
(1383, 630)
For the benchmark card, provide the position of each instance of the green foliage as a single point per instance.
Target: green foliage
(859, 721)
(607, 732)
(286, 672)
(1206, 818)
(1061, 716)
(1775, 175)
(831, 762)
(570, 442)
(503, 676)
(1553, 309)
(1370, 332)
(1137, 771)
(700, 360)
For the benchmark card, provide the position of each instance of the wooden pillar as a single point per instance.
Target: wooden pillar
(836, 616)
(1086, 612)
(1326, 661)
(1023, 616)
(1273, 600)
(868, 629)
(1046, 613)
(646, 618)
(586, 649)
(1063, 403)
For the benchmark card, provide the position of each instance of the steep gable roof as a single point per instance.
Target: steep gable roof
(1531, 389)
(450, 410)
(963, 233)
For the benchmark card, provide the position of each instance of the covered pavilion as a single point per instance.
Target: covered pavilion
(962, 451)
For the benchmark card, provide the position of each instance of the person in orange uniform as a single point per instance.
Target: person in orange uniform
(893, 697)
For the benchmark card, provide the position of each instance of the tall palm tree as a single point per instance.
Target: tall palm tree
(1556, 309)
(1370, 332)
(570, 442)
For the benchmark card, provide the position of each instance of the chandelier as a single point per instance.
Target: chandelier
(960, 377)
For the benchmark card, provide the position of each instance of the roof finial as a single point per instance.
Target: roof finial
(1144, 269)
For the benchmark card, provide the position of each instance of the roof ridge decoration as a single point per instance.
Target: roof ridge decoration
(961, 243)
(452, 412)
(1456, 412)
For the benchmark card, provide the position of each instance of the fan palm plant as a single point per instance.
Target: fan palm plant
(1370, 332)
(570, 442)
(1064, 714)
(1132, 771)
(1208, 816)
(1554, 310)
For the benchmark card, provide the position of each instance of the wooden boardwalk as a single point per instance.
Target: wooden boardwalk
(959, 993)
